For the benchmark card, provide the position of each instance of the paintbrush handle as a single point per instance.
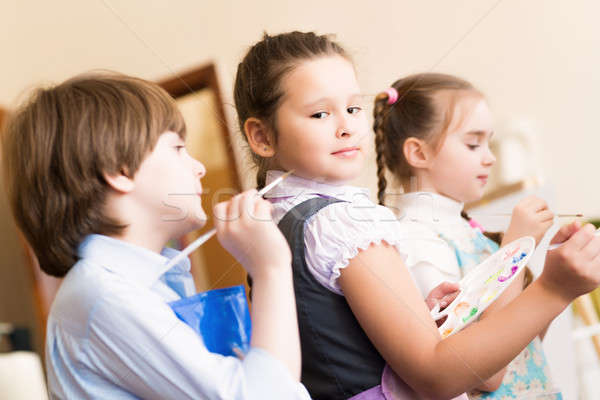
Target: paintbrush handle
(202, 239)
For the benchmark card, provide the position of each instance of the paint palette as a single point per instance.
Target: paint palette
(482, 286)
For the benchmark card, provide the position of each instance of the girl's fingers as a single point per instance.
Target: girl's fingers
(538, 205)
(449, 298)
(592, 249)
(581, 238)
(565, 232)
(546, 215)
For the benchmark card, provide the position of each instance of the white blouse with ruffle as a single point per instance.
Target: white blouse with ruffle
(334, 235)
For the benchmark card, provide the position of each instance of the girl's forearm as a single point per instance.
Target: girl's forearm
(486, 347)
(274, 321)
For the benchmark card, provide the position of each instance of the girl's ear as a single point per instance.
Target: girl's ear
(259, 137)
(120, 182)
(416, 153)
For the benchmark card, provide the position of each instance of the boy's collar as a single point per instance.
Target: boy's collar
(294, 186)
(130, 261)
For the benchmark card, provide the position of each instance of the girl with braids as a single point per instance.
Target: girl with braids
(432, 132)
(299, 108)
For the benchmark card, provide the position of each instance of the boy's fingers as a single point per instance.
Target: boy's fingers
(263, 209)
(247, 201)
(220, 213)
(233, 211)
(565, 232)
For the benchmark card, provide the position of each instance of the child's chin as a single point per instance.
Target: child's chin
(198, 222)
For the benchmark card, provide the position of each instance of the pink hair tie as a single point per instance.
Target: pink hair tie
(476, 225)
(392, 94)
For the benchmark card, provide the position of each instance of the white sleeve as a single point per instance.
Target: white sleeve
(430, 259)
(146, 349)
(336, 234)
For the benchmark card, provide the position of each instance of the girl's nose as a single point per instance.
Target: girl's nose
(489, 158)
(343, 133)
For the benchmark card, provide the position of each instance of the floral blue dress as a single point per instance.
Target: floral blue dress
(528, 375)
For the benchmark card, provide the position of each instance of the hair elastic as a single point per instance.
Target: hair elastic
(392, 94)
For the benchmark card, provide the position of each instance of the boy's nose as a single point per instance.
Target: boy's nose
(200, 169)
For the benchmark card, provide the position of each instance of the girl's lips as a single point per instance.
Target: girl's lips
(347, 152)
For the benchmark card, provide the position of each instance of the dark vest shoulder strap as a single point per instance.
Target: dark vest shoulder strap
(338, 359)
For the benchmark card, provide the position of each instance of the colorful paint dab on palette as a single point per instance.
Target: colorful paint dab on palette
(482, 286)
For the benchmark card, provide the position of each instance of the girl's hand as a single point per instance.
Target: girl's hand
(573, 269)
(530, 217)
(443, 294)
(245, 228)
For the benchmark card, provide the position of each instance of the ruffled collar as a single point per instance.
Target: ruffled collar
(295, 186)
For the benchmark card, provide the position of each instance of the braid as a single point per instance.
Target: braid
(378, 117)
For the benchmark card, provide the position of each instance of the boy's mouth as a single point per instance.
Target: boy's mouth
(482, 178)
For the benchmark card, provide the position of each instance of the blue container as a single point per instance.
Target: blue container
(221, 317)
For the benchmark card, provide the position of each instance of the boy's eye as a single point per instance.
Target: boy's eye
(319, 115)
(472, 146)
(354, 110)
(179, 148)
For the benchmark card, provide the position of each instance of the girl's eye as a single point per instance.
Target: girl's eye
(179, 148)
(353, 110)
(319, 115)
(472, 146)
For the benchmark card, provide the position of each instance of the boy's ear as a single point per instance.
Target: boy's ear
(259, 137)
(416, 153)
(121, 182)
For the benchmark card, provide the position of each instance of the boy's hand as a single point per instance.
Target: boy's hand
(573, 269)
(530, 217)
(245, 228)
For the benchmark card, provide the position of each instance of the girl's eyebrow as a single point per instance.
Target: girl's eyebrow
(324, 100)
(480, 134)
(320, 101)
(356, 97)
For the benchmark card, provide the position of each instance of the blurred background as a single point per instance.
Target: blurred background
(536, 61)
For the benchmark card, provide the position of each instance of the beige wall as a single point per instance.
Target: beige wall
(536, 60)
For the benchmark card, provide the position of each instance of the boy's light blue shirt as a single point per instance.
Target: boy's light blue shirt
(112, 335)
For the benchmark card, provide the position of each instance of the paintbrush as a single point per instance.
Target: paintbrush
(557, 245)
(200, 241)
